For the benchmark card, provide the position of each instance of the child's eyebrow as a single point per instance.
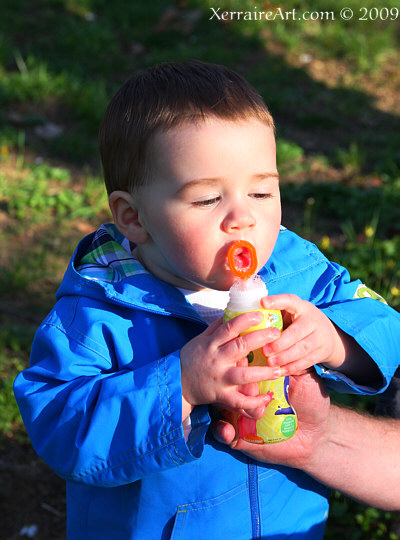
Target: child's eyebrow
(199, 182)
(203, 182)
(266, 175)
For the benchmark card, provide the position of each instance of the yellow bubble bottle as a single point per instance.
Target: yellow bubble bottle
(279, 422)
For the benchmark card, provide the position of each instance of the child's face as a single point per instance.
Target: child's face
(212, 183)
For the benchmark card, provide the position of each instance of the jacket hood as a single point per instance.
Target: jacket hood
(103, 268)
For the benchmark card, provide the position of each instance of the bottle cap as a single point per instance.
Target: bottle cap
(245, 295)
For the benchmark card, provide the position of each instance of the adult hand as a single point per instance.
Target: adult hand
(312, 405)
(337, 446)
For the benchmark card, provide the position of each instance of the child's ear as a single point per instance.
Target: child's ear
(126, 216)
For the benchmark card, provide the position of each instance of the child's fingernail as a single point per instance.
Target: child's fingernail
(259, 412)
(256, 317)
(278, 372)
(276, 334)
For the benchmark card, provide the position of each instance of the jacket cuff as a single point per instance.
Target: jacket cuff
(369, 325)
(171, 410)
(338, 382)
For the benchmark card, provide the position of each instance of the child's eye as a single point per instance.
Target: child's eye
(260, 196)
(207, 202)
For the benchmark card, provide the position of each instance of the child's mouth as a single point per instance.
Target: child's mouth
(242, 258)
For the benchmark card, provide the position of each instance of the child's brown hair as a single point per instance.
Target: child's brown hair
(163, 97)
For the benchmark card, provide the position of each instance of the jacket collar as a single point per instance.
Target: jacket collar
(109, 257)
(103, 268)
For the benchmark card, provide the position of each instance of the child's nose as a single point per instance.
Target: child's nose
(238, 219)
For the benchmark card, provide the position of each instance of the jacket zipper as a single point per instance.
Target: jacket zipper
(254, 501)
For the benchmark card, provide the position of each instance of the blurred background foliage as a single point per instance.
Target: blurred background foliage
(333, 88)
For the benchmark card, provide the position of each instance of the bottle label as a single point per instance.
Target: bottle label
(279, 422)
(272, 318)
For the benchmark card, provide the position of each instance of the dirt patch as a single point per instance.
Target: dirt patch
(32, 497)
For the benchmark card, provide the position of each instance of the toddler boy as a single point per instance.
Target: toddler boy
(125, 367)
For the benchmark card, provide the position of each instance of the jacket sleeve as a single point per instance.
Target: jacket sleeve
(365, 316)
(99, 423)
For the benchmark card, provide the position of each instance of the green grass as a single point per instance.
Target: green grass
(328, 35)
(332, 87)
(15, 344)
(352, 521)
(365, 235)
(45, 193)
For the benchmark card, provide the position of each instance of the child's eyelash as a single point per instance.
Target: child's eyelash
(210, 202)
(213, 200)
(207, 202)
(261, 196)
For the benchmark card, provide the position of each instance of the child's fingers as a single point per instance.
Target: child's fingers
(301, 365)
(301, 355)
(285, 302)
(213, 327)
(254, 414)
(297, 341)
(242, 404)
(236, 326)
(240, 346)
(249, 389)
(239, 376)
(252, 389)
(243, 362)
(246, 399)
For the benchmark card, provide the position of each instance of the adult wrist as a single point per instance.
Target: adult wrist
(323, 444)
(332, 449)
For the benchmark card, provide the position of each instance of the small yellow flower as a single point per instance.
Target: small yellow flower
(369, 231)
(395, 291)
(325, 242)
(4, 150)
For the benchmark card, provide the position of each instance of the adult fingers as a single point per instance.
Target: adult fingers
(224, 432)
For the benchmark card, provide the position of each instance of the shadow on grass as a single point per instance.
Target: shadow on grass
(72, 59)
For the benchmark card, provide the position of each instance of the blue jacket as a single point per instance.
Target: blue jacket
(101, 401)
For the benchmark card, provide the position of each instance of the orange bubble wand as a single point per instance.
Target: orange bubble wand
(242, 259)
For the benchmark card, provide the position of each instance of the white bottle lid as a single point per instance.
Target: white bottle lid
(245, 294)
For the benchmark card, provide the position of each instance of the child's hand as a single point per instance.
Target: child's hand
(309, 337)
(214, 366)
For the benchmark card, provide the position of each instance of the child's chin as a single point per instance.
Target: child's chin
(224, 284)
